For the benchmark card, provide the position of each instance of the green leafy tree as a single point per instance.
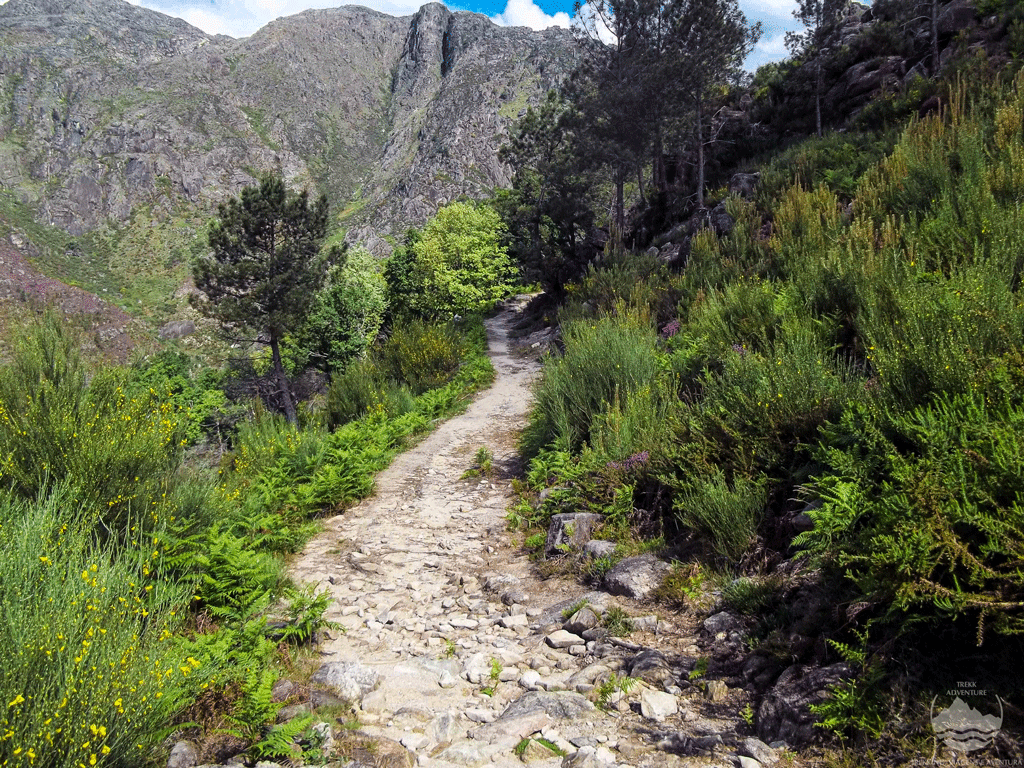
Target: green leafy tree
(347, 314)
(264, 265)
(399, 274)
(461, 265)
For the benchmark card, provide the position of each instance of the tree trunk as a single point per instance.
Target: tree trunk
(700, 152)
(658, 171)
(640, 182)
(620, 205)
(817, 94)
(282, 380)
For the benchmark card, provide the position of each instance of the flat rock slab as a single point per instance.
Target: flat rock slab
(558, 704)
(657, 705)
(784, 714)
(563, 639)
(349, 679)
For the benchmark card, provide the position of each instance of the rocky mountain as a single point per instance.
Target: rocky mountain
(111, 115)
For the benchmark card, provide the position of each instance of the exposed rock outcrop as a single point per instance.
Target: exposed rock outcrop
(107, 107)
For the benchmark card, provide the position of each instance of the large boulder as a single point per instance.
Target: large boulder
(744, 184)
(959, 14)
(785, 715)
(636, 577)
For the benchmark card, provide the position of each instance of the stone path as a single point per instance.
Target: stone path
(455, 649)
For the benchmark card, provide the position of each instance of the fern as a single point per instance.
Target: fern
(306, 615)
(255, 709)
(281, 741)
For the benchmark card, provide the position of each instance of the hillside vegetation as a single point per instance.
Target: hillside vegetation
(819, 414)
(791, 364)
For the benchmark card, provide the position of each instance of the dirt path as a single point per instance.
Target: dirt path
(448, 644)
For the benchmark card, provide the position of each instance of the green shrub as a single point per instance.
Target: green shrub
(923, 513)
(422, 355)
(636, 281)
(346, 314)
(88, 673)
(110, 441)
(761, 410)
(460, 264)
(836, 160)
(352, 393)
(195, 392)
(606, 361)
(726, 515)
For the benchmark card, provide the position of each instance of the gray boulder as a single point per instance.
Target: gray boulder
(636, 577)
(720, 220)
(570, 531)
(596, 548)
(348, 679)
(183, 755)
(651, 666)
(177, 329)
(784, 714)
(959, 14)
(585, 618)
(744, 184)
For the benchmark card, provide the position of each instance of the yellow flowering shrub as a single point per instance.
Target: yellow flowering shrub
(88, 669)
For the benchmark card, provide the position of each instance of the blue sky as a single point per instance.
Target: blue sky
(240, 18)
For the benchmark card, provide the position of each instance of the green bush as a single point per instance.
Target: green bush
(346, 314)
(607, 361)
(726, 515)
(923, 510)
(636, 281)
(195, 392)
(422, 355)
(460, 265)
(109, 440)
(762, 410)
(353, 392)
(88, 672)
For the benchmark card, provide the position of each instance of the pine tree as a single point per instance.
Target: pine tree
(708, 41)
(818, 18)
(264, 267)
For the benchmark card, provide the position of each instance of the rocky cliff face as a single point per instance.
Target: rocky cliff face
(108, 109)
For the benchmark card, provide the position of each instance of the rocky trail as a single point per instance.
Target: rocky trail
(456, 653)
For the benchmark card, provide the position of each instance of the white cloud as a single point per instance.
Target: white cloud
(772, 45)
(596, 24)
(211, 23)
(526, 13)
(768, 8)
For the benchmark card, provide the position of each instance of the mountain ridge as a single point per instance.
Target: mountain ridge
(112, 114)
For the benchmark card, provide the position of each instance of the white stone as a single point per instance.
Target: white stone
(530, 680)
(480, 715)
(657, 705)
(563, 639)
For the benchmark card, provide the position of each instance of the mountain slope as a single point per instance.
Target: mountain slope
(106, 108)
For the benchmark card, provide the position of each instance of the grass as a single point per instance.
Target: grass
(617, 622)
(569, 612)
